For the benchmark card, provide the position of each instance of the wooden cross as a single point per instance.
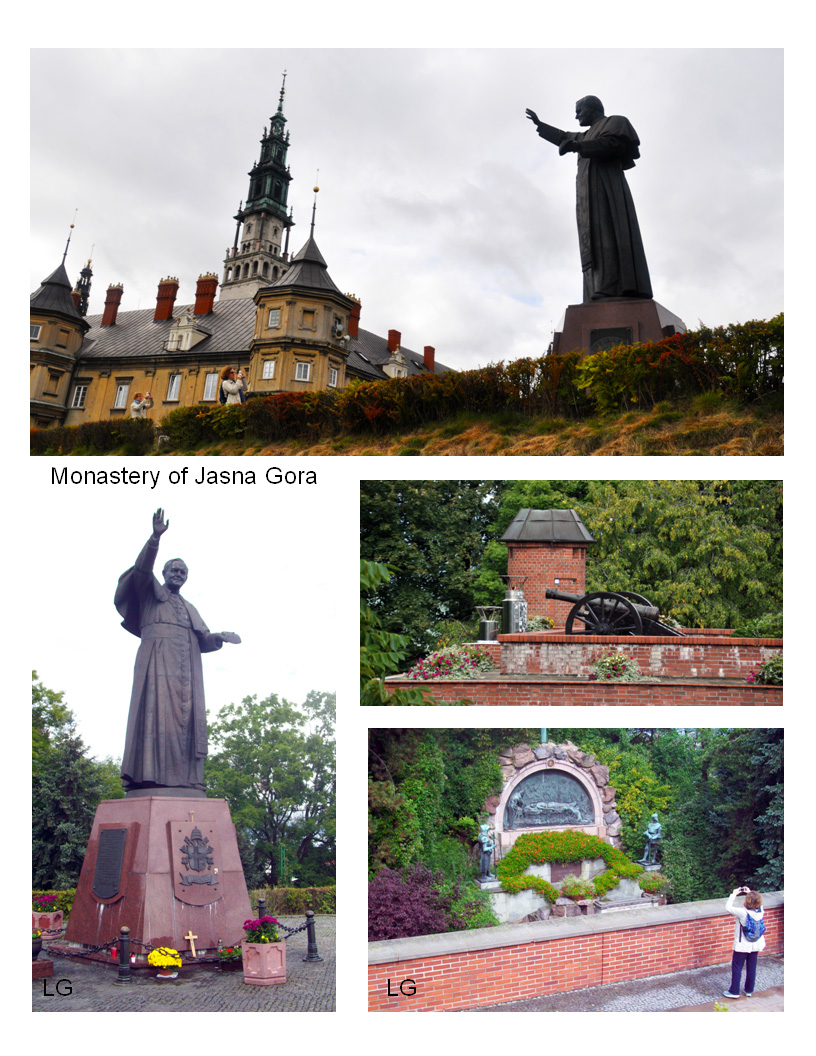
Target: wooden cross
(189, 936)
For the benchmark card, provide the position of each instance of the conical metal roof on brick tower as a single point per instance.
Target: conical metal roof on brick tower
(547, 526)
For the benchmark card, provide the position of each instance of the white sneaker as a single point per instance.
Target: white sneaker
(727, 993)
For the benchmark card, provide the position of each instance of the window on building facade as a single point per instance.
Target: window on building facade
(80, 392)
(332, 377)
(62, 338)
(210, 386)
(308, 322)
(268, 369)
(174, 386)
(303, 371)
(121, 397)
(35, 331)
(52, 383)
(274, 317)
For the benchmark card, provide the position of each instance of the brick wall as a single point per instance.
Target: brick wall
(469, 969)
(692, 692)
(695, 656)
(543, 563)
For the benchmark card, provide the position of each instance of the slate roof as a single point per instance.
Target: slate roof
(230, 326)
(308, 270)
(368, 353)
(54, 295)
(547, 526)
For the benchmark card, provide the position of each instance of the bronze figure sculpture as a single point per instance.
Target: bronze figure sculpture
(166, 740)
(612, 257)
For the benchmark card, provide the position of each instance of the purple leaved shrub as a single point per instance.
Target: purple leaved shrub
(410, 902)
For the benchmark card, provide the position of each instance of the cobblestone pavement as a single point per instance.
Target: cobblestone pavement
(308, 987)
(659, 993)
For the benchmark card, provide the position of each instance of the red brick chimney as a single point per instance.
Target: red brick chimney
(354, 318)
(429, 358)
(394, 339)
(165, 299)
(205, 293)
(112, 299)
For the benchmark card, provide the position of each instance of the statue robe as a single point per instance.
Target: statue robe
(612, 256)
(166, 740)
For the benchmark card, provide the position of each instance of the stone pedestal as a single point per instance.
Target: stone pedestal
(166, 867)
(42, 969)
(594, 327)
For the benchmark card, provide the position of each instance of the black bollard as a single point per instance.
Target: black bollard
(124, 955)
(261, 907)
(311, 947)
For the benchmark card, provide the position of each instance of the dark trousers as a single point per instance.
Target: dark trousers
(737, 961)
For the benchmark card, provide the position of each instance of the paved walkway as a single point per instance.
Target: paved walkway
(690, 991)
(308, 987)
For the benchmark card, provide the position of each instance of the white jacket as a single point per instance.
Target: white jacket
(741, 944)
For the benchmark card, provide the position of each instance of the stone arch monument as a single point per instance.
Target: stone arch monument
(552, 787)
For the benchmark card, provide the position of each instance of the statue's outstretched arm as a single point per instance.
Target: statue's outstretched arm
(548, 132)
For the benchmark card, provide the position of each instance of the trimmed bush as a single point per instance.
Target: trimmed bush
(294, 901)
(129, 436)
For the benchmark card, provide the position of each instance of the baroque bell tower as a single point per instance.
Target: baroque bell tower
(260, 252)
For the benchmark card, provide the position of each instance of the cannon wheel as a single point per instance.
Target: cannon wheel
(604, 613)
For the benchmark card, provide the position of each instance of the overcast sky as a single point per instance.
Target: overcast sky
(439, 205)
(263, 562)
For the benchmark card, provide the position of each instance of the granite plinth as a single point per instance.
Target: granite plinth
(173, 870)
(42, 969)
(600, 325)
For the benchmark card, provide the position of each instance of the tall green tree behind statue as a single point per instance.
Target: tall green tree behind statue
(68, 785)
(275, 763)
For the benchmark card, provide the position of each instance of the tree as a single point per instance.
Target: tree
(68, 785)
(432, 535)
(275, 764)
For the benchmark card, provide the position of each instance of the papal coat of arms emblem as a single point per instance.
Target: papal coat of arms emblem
(195, 873)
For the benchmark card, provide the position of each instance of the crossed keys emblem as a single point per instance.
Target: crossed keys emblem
(197, 855)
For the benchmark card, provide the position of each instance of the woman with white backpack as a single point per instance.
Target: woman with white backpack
(749, 939)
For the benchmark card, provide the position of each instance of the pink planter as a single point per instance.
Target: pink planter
(264, 963)
(50, 924)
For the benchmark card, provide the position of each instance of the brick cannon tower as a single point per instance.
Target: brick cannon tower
(549, 548)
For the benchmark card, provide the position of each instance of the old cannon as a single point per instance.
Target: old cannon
(610, 612)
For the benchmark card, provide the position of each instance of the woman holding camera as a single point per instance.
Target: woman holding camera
(746, 947)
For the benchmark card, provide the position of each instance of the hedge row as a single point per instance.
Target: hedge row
(128, 436)
(294, 901)
(287, 901)
(742, 362)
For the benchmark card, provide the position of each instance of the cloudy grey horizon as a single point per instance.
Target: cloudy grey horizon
(439, 206)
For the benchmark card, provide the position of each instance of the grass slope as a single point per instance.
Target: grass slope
(703, 427)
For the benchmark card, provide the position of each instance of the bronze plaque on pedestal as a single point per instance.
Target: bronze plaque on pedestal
(109, 858)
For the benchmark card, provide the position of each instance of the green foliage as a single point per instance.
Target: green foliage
(576, 888)
(768, 626)
(128, 436)
(768, 673)
(381, 652)
(67, 786)
(564, 846)
(653, 883)
(294, 901)
(615, 666)
(274, 762)
(65, 899)
(457, 661)
(431, 535)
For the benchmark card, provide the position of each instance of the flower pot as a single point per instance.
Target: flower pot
(264, 963)
(167, 973)
(50, 924)
(36, 946)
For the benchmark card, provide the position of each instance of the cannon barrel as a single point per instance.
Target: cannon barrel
(647, 612)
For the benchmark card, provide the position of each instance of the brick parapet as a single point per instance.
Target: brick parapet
(695, 656)
(487, 966)
(692, 692)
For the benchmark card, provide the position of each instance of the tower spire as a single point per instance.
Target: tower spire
(260, 252)
(314, 206)
(70, 232)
